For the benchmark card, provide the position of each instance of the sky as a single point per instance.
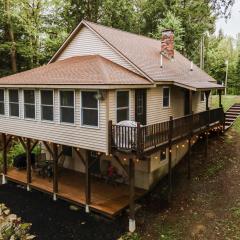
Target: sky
(232, 26)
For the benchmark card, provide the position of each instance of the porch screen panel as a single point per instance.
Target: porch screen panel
(47, 105)
(13, 103)
(29, 104)
(67, 106)
(122, 106)
(89, 108)
(2, 108)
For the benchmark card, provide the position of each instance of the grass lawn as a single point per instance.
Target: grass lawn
(227, 102)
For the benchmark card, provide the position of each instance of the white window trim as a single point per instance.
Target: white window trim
(201, 97)
(46, 121)
(35, 105)
(81, 111)
(169, 105)
(4, 99)
(74, 106)
(9, 108)
(129, 103)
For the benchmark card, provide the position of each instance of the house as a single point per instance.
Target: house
(75, 107)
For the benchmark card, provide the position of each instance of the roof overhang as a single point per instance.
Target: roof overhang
(199, 86)
(77, 86)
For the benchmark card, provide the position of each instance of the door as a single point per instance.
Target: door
(141, 106)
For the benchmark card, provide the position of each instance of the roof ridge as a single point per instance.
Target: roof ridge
(120, 30)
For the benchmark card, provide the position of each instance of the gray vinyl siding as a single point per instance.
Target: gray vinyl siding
(73, 135)
(86, 42)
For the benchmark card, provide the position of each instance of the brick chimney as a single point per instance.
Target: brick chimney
(167, 44)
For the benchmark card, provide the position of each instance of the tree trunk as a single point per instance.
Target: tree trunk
(10, 33)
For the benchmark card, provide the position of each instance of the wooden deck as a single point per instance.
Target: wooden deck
(105, 198)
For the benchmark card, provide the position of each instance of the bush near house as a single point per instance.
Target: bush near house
(11, 226)
(15, 150)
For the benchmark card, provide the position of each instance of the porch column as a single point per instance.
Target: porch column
(87, 182)
(4, 155)
(55, 171)
(29, 163)
(190, 147)
(207, 93)
(132, 223)
(220, 97)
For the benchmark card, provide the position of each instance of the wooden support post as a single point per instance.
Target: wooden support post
(206, 136)
(170, 159)
(190, 147)
(4, 143)
(4, 155)
(29, 162)
(132, 224)
(87, 182)
(55, 170)
(189, 157)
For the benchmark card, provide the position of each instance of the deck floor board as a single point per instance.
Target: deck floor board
(105, 198)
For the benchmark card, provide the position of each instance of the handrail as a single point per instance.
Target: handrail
(142, 138)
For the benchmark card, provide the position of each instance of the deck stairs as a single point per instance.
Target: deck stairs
(231, 115)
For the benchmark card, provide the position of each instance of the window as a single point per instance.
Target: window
(67, 151)
(122, 105)
(202, 97)
(67, 106)
(166, 97)
(47, 105)
(163, 155)
(13, 103)
(89, 108)
(2, 108)
(29, 104)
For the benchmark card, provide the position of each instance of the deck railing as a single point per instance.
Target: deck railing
(144, 138)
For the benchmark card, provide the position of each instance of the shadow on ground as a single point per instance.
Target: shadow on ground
(54, 220)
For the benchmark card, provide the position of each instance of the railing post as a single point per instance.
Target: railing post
(109, 136)
(170, 134)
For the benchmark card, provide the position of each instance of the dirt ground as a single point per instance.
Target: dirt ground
(205, 207)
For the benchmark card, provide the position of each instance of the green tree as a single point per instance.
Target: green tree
(174, 23)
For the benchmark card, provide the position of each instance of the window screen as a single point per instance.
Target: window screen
(67, 106)
(13, 103)
(122, 106)
(47, 105)
(67, 151)
(2, 108)
(166, 97)
(29, 104)
(89, 109)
